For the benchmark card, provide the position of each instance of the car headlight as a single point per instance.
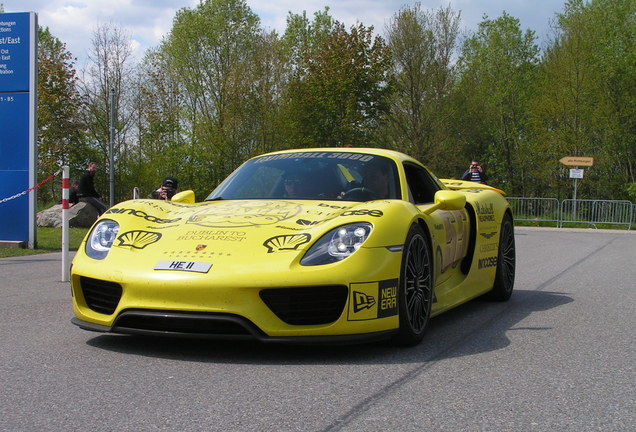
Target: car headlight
(101, 239)
(337, 244)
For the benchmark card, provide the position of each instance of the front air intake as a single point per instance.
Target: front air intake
(306, 305)
(100, 296)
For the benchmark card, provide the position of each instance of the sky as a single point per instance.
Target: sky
(148, 21)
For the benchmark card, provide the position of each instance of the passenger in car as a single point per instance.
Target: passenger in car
(296, 185)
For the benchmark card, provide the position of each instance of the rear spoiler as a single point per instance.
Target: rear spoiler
(460, 184)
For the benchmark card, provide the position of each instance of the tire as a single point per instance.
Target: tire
(416, 288)
(506, 258)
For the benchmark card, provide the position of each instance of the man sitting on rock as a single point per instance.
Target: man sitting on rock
(86, 189)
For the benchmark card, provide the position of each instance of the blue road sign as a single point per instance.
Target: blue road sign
(14, 52)
(17, 126)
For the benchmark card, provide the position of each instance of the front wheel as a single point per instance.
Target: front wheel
(416, 288)
(505, 275)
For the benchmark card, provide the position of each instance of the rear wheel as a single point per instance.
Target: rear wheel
(505, 275)
(416, 288)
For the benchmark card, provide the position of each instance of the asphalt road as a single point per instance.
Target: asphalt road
(559, 356)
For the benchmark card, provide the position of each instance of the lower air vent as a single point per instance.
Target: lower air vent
(101, 296)
(182, 323)
(306, 305)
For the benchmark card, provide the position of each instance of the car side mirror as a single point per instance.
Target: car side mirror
(447, 200)
(185, 197)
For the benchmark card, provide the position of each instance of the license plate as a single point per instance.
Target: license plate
(190, 266)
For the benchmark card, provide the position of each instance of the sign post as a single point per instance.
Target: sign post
(576, 173)
(18, 108)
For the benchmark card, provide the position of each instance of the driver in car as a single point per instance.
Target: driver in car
(377, 180)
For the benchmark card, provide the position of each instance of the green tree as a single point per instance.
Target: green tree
(586, 104)
(498, 68)
(301, 41)
(266, 97)
(615, 65)
(108, 71)
(60, 130)
(423, 44)
(211, 51)
(338, 88)
(303, 38)
(161, 148)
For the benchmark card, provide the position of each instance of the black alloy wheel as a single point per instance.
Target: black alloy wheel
(416, 288)
(506, 259)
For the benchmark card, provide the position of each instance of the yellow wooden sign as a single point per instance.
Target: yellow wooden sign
(577, 161)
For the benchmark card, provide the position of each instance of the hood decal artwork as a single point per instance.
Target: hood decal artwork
(245, 214)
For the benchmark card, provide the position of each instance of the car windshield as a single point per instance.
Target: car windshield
(312, 175)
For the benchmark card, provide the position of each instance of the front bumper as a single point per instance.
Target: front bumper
(359, 301)
(214, 327)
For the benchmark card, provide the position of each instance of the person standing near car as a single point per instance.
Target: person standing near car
(86, 189)
(475, 173)
(169, 187)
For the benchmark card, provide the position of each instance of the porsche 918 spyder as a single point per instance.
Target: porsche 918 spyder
(327, 245)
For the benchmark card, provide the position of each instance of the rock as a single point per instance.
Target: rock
(84, 217)
(51, 217)
(80, 215)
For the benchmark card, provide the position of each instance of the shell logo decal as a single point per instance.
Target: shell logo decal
(138, 239)
(286, 242)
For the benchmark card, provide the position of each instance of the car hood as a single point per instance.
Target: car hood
(243, 227)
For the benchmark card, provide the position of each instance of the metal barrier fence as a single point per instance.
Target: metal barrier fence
(591, 212)
(536, 209)
(596, 212)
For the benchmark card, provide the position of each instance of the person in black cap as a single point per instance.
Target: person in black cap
(169, 187)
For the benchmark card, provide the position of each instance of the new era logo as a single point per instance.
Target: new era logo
(362, 301)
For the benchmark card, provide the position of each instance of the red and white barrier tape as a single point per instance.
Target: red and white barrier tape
(51, 177)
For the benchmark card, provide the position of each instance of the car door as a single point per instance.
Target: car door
(449, 229)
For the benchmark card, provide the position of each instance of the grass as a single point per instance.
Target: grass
(48, 240)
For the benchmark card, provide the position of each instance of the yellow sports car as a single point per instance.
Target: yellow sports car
(325, 245)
